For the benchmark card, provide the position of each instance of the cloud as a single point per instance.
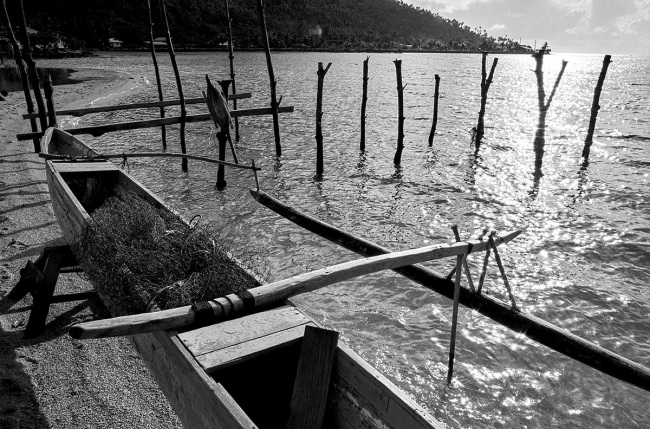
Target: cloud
(627, 24)
(497, 27)
(451, 6)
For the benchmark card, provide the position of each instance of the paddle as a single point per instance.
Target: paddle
(275, 293)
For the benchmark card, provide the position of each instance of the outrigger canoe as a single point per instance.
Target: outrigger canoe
(244, 372)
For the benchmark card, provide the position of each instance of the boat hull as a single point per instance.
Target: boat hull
(202, 393)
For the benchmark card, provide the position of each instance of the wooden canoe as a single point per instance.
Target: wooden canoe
(239, 373)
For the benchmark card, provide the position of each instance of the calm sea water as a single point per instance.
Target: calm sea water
(582, 262)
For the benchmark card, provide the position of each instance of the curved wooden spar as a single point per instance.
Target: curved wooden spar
(275, 293)
(533, 327)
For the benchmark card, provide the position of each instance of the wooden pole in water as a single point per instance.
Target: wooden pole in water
(485, 86)
(179, 84)
(157, 70)
(319, 115)
(434, 124)
(594, 108)
(454, 317)
(364, 100)
(232, 68)
(23, 75)
(222, 137)
(269, 65)
(31, 67)
(400, 108)
(51, 112)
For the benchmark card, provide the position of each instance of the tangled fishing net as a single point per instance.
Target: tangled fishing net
(135, 254)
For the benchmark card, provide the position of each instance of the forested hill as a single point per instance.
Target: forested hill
(345, 24)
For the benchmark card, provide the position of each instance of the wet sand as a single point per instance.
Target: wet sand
(54, 381)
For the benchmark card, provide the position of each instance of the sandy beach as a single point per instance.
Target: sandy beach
(54, 381)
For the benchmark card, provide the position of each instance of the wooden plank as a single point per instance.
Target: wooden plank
(242, 352)
(312, 381)
(215, 337)
(361, 397)
(198, 400)
(70, 214)
(89, 110)
(98, 130)
(84, 167)
(554, 337)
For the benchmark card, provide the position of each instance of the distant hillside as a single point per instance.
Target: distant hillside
(334, 24)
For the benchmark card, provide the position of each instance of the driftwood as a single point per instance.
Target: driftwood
(269, 64)
(179, 83)
(485, 86)
(595, 107)
(364, 100)
(319, 114)
(400, 110)
(434, 124)
(157, 70)
(273, 293)
(533, 327)
(23, 74)
(145, 105)
(98, 130)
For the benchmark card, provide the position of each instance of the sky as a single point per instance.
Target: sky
(614, 27)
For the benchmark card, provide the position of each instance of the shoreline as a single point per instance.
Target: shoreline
(54, 380)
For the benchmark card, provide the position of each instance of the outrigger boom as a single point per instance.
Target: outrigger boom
(276, 293)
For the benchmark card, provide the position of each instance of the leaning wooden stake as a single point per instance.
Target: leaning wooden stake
(51, 112)
(594, 108)
(23, 75)
(232, 68)
(319, 115)
(33, 75)
(179, 84)
(364, 100)
(157, 70)
(485, 86)
(454, 317)
(434, 124)
(400, 118)
(269, 65)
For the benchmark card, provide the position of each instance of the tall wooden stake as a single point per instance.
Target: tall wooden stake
(51, 112)
(364, 100)
(269, 65)
(594, 108)
(222, 137)
(33, 75)
(23, 75)
(232, 68)
(400, 118)
(319, 114)
(544, 105)
(454, 318)
(434, 124)
(155, 66)
(179, 84)
(485, 86)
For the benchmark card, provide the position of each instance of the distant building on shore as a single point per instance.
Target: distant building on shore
(114, 43)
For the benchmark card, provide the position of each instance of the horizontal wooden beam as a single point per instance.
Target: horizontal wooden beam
(106, 156)
(89, 110)
(98, 130)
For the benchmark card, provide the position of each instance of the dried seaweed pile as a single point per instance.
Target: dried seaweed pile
(134, 253)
